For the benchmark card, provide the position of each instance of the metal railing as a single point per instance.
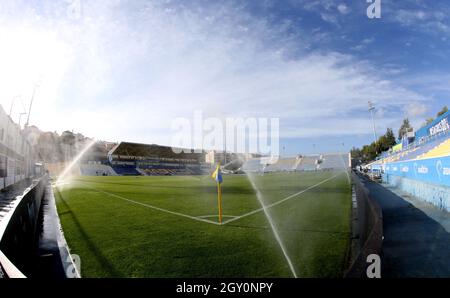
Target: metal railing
(18, 231)
(7, 268)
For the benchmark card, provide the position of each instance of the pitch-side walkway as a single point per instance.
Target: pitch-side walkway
(414, 244)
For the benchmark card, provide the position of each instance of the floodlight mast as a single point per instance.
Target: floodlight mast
(31, 103)
(12, 104)
(371, 109)
(20, 118)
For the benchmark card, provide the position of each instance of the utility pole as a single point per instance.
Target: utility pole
(371, 109)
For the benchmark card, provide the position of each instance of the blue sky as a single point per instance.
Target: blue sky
(117, 70)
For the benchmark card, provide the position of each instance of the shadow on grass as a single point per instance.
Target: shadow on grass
(112, 272)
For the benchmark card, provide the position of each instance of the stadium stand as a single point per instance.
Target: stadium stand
(443, 149)
(96, 170)
(298, 163)
(308, 163)
(125, 170)
(417, 151)
(233, 166)
(253, 165)
(298, 159)
(333, 161)
(172, 169)
(429, 141)
(421, 168)
(154, 160)
(281, 165)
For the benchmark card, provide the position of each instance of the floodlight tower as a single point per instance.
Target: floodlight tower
(20, 117)
(31, 103)
(12, 104)
(371, 109)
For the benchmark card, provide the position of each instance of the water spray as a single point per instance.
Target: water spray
(74, 162)
(272, 225)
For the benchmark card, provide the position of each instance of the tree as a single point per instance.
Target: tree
(443, 111)
(389, 139)
(428, 121)
(404, 129)
(356, 153)
(68, 138)
(370, 152)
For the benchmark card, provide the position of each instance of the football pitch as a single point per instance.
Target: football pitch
(167, 226)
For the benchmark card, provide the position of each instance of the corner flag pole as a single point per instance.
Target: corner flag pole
(219, 201)
(217, 175)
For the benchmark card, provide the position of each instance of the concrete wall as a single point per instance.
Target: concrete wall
(438, 195)
(367, 229)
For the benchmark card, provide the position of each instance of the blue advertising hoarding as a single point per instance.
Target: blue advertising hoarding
(432, 170)
(439, 125)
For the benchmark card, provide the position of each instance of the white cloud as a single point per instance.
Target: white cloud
(126, 74)
(328, 17)
(368, 40)
(343, 9)
(416, 109)
(431, 21)
(363, 44)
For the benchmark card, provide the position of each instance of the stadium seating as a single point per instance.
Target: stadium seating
(152, 160)
(96, 170)
(333, 161)
(253, 165)
(307, 163)
(418, 152)
(443, 149)
(421, 169)
(234, 165)
(126, 170)
(152, 151)
(281, 165)
(166, 167)
(435, 146)
(162, 170)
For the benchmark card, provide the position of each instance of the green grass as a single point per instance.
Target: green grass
(119, 238)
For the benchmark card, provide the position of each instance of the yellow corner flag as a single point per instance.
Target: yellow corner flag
(217, 175)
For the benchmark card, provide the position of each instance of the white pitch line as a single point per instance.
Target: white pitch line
(209, 221)
(280, 201)
(215, 215)
(154, 207)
